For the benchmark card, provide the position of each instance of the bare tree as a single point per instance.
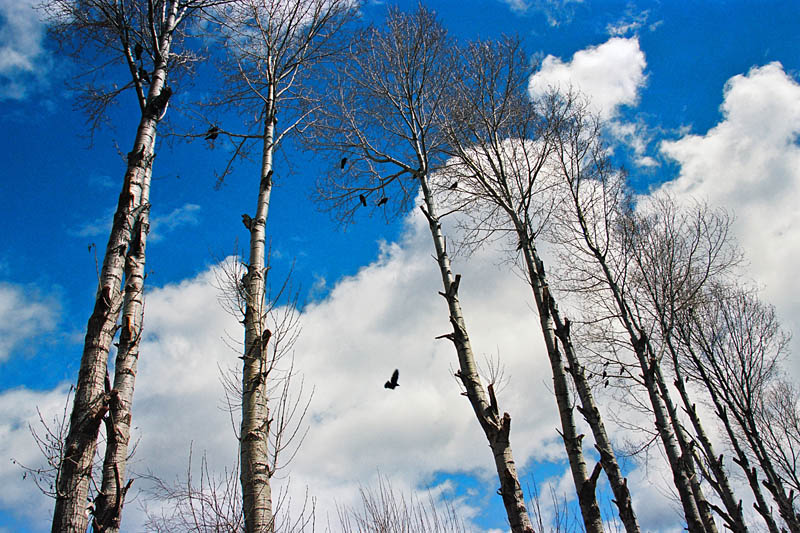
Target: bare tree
(383, 510)
(138, 41)
(271, 45)
(502, 143)
(605, 239)
(734, 346)
(215, 503)
(383, 122)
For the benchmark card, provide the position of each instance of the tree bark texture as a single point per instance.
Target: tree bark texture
(91, 396)
(585, 484)
(495, 427)
(588, 407)
(718, 477)
(254, 436)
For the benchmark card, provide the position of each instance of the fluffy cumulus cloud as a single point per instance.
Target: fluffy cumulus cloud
(610, 74)
(23, 316)
(21, 36)
(750, 163)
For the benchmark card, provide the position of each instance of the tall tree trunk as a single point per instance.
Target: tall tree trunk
(495, 427)
(109, 503)
(718, 479)
(254, 437)
(646, 359)
(91, 394)
(585, 484)
(588, 407)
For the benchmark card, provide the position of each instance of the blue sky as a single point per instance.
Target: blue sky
(701, 97)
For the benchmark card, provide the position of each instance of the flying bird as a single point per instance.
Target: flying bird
(453, 185)
(392, 383)
(363, 199)
(382, 201)
(137, 51)
(212, 133)
(343, 163)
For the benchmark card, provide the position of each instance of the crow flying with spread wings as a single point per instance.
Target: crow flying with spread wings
(392, 383)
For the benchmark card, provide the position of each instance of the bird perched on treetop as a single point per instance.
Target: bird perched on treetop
(137, 51)
(363, 200)
(382, 201)
(392, 383)
(453, 185)
(343, 163)
(212, 133)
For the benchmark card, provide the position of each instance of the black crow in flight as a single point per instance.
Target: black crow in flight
(392, 383)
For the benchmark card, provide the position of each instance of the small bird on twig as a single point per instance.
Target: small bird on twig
(453, 186)
(382, 201)
(392, 383)
(212, 133)
(362, 199)
(137, 51)
(343, 163)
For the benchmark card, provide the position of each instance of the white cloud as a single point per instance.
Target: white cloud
(610, 74)
(23, 317)
(750, 163)
(21, 36)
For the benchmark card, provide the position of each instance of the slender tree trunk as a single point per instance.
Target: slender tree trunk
(92, 394)
(718, 479)
(108, 510)
(254, 437)
(495, 427)
(591, 413)
(686, 448)
(585, 485)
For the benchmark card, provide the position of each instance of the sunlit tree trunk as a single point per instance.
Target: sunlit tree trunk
(254, 435)
(495, 427)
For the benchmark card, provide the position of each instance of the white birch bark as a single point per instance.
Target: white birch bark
(254, 435)
(94, 396)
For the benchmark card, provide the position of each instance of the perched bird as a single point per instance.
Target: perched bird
(363, 199)
(137, 51)
(605, 374)
(453, 185)
(343, 163)
(392, 383)
(143, 75)
(605, 384)
(383, 201)
(212, 133)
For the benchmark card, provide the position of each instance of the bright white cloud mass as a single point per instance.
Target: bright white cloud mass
(610, 75)
(388, 315)
(750, 163)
